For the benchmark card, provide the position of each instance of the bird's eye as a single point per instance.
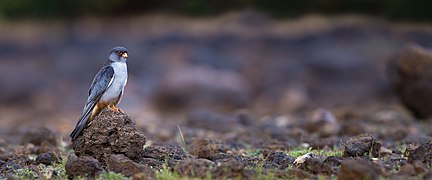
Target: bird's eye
(119, 53)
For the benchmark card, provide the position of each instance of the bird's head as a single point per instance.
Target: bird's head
(118, 54)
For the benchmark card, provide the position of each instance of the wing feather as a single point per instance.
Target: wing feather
(100, 84)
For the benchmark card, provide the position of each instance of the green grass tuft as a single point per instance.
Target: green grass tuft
(297, 152)
(112, 176)
(166, 174)
(25, 173)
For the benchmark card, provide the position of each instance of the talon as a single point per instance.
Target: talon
(112, 107)
(116, 109)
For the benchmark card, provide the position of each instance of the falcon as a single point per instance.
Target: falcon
(106, 89)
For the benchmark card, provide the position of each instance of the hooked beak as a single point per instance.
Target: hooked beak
(124, 55)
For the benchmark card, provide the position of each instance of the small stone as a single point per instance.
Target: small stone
(84, 166)
(119, 163)
(333, 160)
(315, 166)
(361, 145)
(203, 148)
(279, 160)
(46, 158)
(300, 160)
(164, 152)
(194, 167)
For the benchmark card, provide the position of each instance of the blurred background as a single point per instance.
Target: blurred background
(263, 57)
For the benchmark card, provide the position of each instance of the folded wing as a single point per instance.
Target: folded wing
(100, 84)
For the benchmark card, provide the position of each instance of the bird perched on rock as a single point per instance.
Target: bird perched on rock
(106, 89)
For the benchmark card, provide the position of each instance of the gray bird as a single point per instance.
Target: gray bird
(106, 89)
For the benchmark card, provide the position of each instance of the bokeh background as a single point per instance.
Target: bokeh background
(266, 57)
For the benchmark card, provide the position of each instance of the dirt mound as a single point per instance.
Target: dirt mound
(110, 133)
(410, 74)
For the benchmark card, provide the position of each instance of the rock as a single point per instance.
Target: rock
(220, 157)
(153, 163)
(361, 145)
(39, 136)
(322, 122)
(47, 158)
(300, 160)
(232, 168)
(11, 162)
(119, 163)
(356, 169)
(315, 166)
(310, 163)
(204, 148)
(164, 152)
(333, 160)
(410, 74)
(278, 160)
(84, 166)
(110, 133)
(194, 167)
(422, 153)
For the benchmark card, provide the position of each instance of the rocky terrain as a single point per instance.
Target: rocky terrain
(236, 96)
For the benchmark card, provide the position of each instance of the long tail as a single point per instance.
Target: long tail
(82, 123)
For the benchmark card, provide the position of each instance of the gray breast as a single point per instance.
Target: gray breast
(118, 83)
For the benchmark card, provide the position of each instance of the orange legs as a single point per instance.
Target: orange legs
(113, 107)
(100, 106)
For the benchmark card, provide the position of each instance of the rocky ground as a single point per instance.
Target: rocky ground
(230, 147)
(317, 97)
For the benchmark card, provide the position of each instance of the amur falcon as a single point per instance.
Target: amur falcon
(106, 89)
